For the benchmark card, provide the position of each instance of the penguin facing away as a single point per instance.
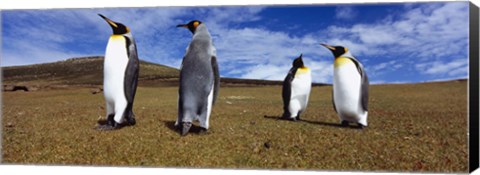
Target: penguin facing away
(296, 90)
(350, 87)
(121, 67)
(199, 79)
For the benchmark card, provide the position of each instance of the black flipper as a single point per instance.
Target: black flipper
(333, 101)
(180, 99)
(364, 91)
(131, 78)
(216, 75)
(287, 91)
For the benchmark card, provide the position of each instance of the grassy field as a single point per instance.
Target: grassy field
(414, 127)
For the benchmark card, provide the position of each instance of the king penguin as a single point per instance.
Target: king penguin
(296, 90)
(199, 79)
(350, 87)
(120, 76)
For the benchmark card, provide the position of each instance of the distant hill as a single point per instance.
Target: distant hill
(77, 71)
(253, 82)
(88, 71)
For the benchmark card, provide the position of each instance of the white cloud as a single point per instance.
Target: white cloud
(222, 16)
(27, 42)
(263, 54)
(266, 71)
(253, 45)
(378, 82)
(44, 39)
(345, 12)
(31, 53)
(385, 66)
(321, 71)
(420, 32)
(452, 68)
(424, 33)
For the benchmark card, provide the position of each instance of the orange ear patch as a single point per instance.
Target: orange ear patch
(195, 24)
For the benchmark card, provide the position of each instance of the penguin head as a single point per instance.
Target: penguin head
(336, 50)
(118, 28)
(192, 25)
(298, 62)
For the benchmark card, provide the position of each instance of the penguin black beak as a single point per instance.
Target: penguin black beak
(301, 59)
(110, 22)
(102, 16)
(185, 128)
(328, 46)
(183, 25)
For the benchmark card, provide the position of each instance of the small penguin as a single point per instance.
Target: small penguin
(296, 90)
(120, 76)
(199, 79)
(350, 87)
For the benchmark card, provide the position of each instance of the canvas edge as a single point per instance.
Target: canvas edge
(473, 88)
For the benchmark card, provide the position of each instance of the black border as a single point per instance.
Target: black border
(473, 89)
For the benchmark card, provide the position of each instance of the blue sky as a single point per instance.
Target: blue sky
(397, 43)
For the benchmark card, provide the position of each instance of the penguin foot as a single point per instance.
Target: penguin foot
(131, 120)
(344, 123)
(297, 118)
(288, 118)
(185, 128)
(203, 131)
(361, 126)
(291, 119)
(109, 127)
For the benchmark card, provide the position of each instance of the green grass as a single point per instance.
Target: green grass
(415, 127)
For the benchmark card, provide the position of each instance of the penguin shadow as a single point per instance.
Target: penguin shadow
(336, 125)
(194, 129)
(102, 122)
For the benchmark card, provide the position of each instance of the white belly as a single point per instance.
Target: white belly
(115, 64)
(301, 86)
(346, 93)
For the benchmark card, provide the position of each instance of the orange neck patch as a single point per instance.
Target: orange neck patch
(340, 61)
(302, 70)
